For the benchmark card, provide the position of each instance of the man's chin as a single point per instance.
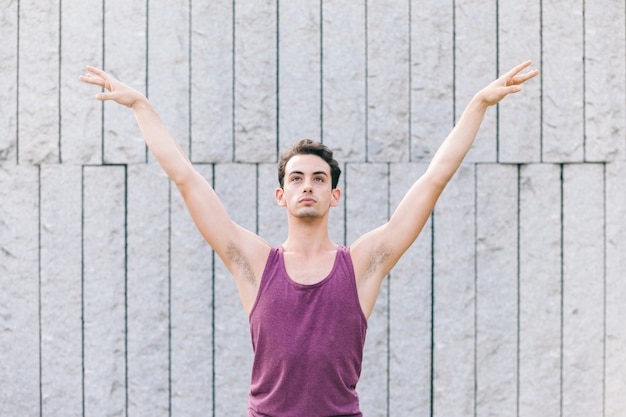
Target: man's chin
(307, 214)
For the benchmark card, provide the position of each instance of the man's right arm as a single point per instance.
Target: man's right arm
(243, 252)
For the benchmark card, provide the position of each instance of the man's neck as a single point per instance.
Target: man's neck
(308, 237)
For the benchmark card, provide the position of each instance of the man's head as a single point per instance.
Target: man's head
(309, 147)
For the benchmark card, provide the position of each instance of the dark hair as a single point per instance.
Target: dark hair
(306, 147)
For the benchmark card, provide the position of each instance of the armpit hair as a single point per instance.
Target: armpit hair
(238, 258)
(379, 257)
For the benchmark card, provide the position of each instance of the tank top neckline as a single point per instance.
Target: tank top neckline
(317, 284)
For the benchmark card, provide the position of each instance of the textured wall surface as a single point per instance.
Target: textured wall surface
(510, 303)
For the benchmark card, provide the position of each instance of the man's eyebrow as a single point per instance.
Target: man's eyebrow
(302, 173)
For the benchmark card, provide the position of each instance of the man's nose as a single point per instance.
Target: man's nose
(308, 185)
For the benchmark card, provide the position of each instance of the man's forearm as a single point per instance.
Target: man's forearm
(160, 142)
(454, 148)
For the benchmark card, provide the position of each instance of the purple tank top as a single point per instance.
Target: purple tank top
(307, 341)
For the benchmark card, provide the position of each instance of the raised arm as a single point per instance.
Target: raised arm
(243, 252)
(386, 244)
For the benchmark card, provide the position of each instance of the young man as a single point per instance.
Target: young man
(308, 300)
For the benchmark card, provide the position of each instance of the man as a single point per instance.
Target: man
(308, 300)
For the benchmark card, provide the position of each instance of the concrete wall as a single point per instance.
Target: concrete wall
(511, 302)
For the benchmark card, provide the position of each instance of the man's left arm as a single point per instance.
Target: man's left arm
(375, 253)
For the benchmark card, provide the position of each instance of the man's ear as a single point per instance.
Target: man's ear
(280, 194)
(334, 197)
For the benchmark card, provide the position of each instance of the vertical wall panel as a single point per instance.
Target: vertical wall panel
(410, 298)
(255, 81)
(148, 291)
(605, 71)
(212, 81)
(19, 309)
(519, 116)
(299, 65)
(168, 74)
(583, 290)
(81, 113)
(61, 278)
(454, 298)
(104, 290)
(236, 185)
(475, 66)
(366, 208)
(388, 80)
(124, 58)
(432, 80)
(191, 317)
(615, 366)
(496, 290)
(562, 80)
(540, 291)
(343, 115)
(8, 83)
(38, 86)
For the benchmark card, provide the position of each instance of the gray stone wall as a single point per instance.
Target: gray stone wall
(510, 303)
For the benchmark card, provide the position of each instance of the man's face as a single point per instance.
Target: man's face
(307, 189)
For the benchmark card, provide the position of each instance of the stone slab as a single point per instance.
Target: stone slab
(104, 291)
(562, 82)
(19, 290)
(496, 289)
(299, 71)
(9, 82)
(344, 80)
(148, 291)
(583, 290)
(540, 290)
(168, 85)
(38, 82)
(605, 71)
(124, 57)
(212, 76)
(475, 64)
(410, 311)
(454, 321)
(191, 315)
(615, 339)
(255, 82)
(388, 84)
(366, 210)
(432, 76)
(61, 296)
(519, 115)
(80, 113)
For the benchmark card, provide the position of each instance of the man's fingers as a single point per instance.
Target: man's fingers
(518, 68)
(90, 79)
(96, 71)
(103, 96)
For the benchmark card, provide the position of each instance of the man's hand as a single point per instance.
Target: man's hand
(117, 91)
(508, 83)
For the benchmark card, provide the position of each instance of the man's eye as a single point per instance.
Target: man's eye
(319, 179)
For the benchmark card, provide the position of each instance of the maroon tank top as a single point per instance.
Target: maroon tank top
(307, 341)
